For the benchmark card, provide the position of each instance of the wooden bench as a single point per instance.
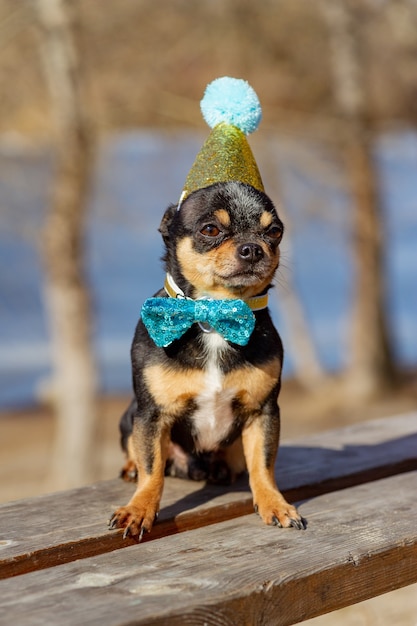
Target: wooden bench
(209, 559)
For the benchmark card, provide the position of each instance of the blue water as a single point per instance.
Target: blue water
(137, 175)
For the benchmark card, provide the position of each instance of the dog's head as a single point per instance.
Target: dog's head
(223, 242)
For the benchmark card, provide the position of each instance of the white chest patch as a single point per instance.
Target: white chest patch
(213, 417)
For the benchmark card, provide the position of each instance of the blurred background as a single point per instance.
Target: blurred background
(99, 125)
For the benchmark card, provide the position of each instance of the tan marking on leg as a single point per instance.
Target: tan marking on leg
(129, 447)
(140, 513)
(268, 500)
(129, 469)
(234, 457)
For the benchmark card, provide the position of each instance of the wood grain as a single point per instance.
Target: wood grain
(50, 530)
(360, 542)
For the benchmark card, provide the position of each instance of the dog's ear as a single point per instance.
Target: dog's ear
(167, 221)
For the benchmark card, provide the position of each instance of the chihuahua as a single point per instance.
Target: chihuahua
(206, 403)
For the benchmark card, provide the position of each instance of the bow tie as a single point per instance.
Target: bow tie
(167, 319)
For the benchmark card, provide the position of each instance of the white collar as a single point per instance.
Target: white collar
(256, 303)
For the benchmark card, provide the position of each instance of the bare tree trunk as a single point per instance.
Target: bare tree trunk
(66, 293)
(371, 359)
(307, 367)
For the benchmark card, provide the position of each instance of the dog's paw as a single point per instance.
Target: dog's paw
(135, 519)
(129, 472)
(277, 512)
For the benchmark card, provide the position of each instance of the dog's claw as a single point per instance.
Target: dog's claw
(276, 522)
(299, 524)
(112, 522)
(126, 532)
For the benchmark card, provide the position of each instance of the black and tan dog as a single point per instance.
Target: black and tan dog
(205, 406)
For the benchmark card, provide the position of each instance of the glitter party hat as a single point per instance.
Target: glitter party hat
(232, 110)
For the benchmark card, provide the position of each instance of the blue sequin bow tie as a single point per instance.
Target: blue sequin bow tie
(167, 319)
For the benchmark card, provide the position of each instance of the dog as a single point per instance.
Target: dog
(205, 406)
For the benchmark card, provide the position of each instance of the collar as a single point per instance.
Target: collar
(256, 303)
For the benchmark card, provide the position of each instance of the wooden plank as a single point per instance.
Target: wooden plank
(71, 525)
(360, 542)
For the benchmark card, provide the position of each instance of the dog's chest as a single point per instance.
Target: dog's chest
(213, 418)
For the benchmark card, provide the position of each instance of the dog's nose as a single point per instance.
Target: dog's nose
(251, 252)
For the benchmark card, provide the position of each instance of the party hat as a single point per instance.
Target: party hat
(232, 110)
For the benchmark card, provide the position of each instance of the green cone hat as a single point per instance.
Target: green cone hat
(231, 108)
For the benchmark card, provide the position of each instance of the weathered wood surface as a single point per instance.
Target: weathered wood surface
(360, 542)
(42, 532)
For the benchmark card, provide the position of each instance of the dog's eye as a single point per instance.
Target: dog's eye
(275, 232)
(210, 230)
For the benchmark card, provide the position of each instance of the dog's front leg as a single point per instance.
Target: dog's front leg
(260, 444)
(149, 447)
